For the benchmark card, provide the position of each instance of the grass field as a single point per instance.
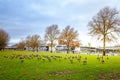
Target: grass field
(23, 65)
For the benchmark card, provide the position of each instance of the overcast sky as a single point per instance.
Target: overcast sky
(27, 17)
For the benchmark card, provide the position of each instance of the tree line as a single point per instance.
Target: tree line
(105, 26)
(68, 36)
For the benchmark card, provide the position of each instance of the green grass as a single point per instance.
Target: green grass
(33, 69)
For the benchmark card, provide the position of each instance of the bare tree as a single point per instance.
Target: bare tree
(105, 25)
(28, 41)
(75, 44)
(33, 41)
(4, 39)
(51, 34)
(21, 44)
(68, 36)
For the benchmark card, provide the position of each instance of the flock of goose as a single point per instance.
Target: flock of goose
(51, 58)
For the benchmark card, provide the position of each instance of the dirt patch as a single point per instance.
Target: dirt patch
(55, 73)
(61, 72)
(112, 76)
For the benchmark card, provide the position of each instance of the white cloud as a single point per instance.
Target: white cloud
(35, 6)
(40, 9)
(75, 2)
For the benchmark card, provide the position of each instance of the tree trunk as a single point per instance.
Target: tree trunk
(67, 49)
(51, 46)
(104, 42)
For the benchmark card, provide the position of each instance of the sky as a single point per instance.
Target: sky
(21, 18)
